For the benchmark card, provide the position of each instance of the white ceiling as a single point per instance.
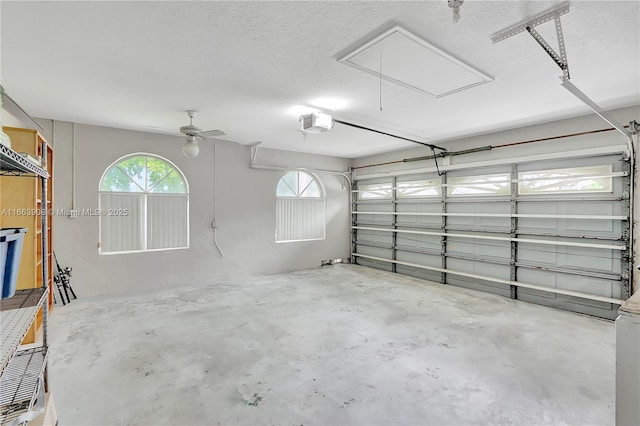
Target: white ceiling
(245, 65)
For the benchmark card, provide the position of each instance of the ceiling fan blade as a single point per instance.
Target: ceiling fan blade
(168, 132)
(214, 140)
(210, 133)
(162, 137)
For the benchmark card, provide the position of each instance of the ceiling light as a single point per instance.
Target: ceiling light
(190, 147)
(333, 104)
(316, 122)
(299, 110)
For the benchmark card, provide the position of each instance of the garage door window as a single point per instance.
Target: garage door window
(573, 180)
(478, 185)
(144, 206)
(300, 208)
(375, 191)
(420, 188)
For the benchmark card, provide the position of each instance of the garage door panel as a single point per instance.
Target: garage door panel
(428, 222)
(480, 207)
(558, 300)
(570, 282)
(575, 304)
(379, 237)
(478, 268)
(377, 264)
(434, 261)
(478, 222)
(489, 248)
(375, 220)
(580, 257)
(570, 257)
(528, 206)
(538, 277)
(617, 290)
(588, 285)
(537, 224)
(418, 273)
(544, 297)
(486, 286)
(408, 207)
(593, 227)
(538, 254)
(423, 242)
(564, 206)
(572, 225)
(568, 303)
(374, 251)
(604, 208)
(488, 212)
(578, 227)
(376, 206)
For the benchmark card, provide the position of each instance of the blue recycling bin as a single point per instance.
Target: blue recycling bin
(11, 240)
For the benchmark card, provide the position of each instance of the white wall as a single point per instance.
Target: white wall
(543, 130)
(245, 202)
(245, 206)
(556, 128)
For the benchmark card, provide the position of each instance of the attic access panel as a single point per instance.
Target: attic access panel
(405, 59)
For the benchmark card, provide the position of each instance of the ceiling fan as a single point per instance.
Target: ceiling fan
(193, 135)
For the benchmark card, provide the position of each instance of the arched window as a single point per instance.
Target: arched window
(300, 208)
(144, 206)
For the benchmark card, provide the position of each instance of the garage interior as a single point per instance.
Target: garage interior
(398, 212)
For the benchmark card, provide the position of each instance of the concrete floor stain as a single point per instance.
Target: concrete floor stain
(254, 401)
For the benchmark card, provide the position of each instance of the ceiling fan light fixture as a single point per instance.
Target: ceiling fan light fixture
(190, 148)
(455, 5)
(190, 129)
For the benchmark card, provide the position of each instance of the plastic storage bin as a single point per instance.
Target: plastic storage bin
(10, 252)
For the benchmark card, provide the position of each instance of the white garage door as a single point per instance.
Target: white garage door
(554, 232)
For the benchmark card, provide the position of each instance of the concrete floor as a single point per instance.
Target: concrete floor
(341, 345)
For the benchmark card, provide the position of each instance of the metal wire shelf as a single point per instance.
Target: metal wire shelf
(16, 316)
(14, 164)
(20, 383)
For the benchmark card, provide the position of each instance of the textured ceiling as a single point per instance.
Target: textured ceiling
(246, 65)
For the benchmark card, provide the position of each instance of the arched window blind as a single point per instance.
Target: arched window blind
(144, 206)
(300, 208)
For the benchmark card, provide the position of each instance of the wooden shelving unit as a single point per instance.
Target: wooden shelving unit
(25, 188)
(21, 207)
